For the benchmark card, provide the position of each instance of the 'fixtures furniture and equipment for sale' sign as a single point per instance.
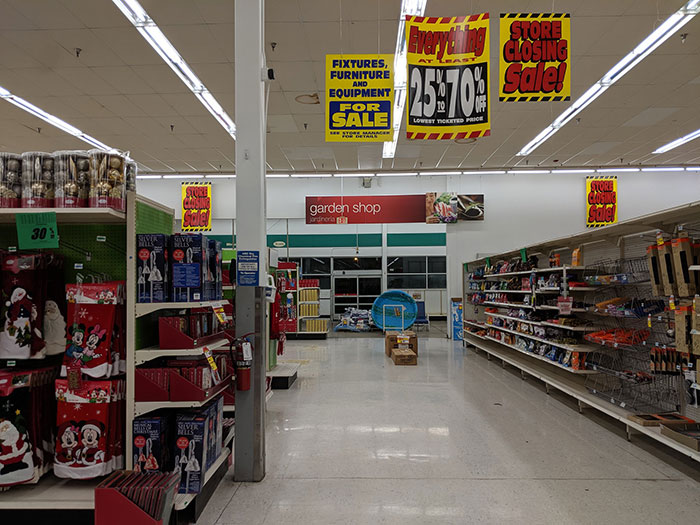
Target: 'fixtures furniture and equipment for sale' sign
(196, 207)
(601, 201)
(535, 63)
(448, 77)
(359, 98)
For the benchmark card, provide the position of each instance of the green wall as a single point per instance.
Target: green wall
(348, 240)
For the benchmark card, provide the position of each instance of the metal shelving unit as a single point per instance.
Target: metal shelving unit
(626, 366)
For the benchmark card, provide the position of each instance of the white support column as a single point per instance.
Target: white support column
(249, 464)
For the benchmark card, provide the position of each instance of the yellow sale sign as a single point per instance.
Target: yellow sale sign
(601, 201)
(448, 77)
(359, 98)
(535, 57)
(196, 207)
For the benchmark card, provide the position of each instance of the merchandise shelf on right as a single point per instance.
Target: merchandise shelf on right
(615, 309)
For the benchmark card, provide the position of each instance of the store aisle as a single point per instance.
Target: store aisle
(456, 439)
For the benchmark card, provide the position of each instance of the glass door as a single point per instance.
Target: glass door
(369, 288)
(358, 290)
(344, 294)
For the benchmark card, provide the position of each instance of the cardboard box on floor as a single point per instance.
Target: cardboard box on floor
(403, 356)
(406, 339)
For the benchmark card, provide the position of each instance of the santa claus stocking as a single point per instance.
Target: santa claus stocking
(16, 460)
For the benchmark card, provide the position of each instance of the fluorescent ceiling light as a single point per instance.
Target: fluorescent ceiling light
(446, 173)
(484, 172)
(145, 25)
(396, 174)
(528, 172)
(221, 176)
(693, 168)
(277, 175)
(657, 37)
(572, 171)
(52, 119)
(678, 142)
(616, 170)
(662, 169)
(310, 175)
(183, 176)
(408, 7)
(353, 175)
(149, 176)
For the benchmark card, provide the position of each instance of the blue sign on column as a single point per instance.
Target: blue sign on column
(247, 268)
(457, 326)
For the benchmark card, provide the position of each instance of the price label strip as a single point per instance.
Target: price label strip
(448, 77)
(36, 230)
(215, 377)
(219, 312)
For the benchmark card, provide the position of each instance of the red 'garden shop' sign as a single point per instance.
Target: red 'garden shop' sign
(377, 209)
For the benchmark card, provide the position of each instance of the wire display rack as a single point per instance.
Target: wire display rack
(637, 363)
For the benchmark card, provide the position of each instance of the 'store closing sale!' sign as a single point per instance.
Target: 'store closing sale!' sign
(196, 207)
(535, 51)
(359, 98)
(448, 77)
(601, 201)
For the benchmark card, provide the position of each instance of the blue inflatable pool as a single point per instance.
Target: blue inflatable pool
(387, 309)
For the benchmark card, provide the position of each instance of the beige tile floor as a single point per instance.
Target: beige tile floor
(456, 439)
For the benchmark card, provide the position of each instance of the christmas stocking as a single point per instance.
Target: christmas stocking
(83, 429)
(16, 458)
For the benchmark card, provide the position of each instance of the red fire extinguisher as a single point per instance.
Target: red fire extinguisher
(243, 362)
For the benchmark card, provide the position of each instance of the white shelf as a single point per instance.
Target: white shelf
(474, 323)
(229, 437)
(183, 500)
(508, 305)
(584, 288)
(310, 288)
(537, 270)
(694, 268)
(69, 215)
(309, 302)
(579, 392)
(284, 369)
(547, 307)
(227, 287)
(527, 321)
(148, 308)
(51, 493)
(571, 328)
(153, 352)
(572, 348)
(309, 317)
(540, 357)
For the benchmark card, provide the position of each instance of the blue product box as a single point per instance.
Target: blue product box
(187, 266)
(152, 268)
(150, 444)
(190, 451)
